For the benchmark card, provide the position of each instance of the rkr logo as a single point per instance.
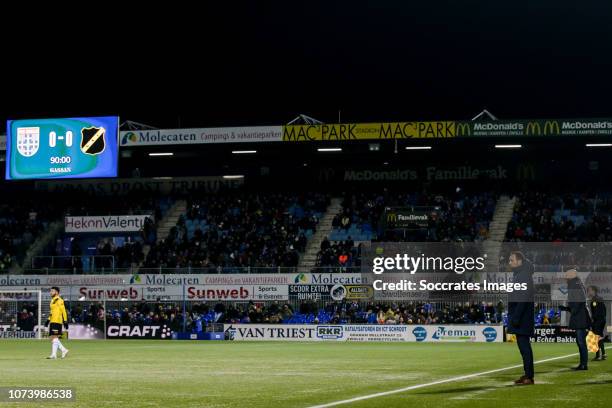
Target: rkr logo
(330, 332)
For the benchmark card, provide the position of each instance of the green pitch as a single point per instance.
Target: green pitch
(125, 374)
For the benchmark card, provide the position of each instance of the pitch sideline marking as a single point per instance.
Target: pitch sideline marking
(414, 387)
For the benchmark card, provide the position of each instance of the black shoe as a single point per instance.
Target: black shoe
(521, 379)
(598, 358)
(525, 381)
(580, 368)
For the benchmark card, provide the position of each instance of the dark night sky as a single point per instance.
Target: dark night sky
(263, 64)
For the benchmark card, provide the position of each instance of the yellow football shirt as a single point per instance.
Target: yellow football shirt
(57, 311)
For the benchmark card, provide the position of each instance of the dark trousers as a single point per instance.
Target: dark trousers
(524, 345)
(602, 348)
(582, 346)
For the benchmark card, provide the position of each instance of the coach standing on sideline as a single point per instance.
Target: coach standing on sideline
(521, 313)
(580, 319)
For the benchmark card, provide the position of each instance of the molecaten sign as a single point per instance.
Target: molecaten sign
(204, 135)
(109, 223)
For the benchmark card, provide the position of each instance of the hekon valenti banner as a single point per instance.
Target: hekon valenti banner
(106, 223)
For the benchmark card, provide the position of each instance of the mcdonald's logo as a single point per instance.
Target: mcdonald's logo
(533, 128)
(525, 172)
(463, 129)
(551, 127)
(391, 217)
(326, 175)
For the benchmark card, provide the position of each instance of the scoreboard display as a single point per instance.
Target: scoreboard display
(62, 148)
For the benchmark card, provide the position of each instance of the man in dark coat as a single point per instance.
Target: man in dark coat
(521, 313)
(598, 312)
(580, 319)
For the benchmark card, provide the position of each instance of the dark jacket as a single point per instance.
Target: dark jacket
(577, 305)
(520, 303)
(598, 311)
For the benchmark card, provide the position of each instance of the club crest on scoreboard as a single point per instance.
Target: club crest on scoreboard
(93, 140)
(28, 140)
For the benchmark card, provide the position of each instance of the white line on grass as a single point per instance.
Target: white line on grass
(414, 387)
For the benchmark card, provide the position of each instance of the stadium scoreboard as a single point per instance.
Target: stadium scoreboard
(84, 147)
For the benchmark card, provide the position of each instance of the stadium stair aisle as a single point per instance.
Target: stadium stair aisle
(41, 243)
(171, 219)
(165, 225)
(497, 230)
(324, 228)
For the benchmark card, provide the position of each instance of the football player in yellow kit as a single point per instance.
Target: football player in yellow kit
(57, 319)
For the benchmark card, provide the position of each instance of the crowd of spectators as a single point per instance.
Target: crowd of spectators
(20, 224)
(456, 217)
(334, 312)
(240, 230)
(542, 217)
(130, 253)
(338, 254)
(197, 315)
(26, 318)
(105, 251)
(453, 217)
(143, 313)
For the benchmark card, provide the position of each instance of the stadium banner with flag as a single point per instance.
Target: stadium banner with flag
(365, 332)
(160, 185)
(107, 223)
(160, 137)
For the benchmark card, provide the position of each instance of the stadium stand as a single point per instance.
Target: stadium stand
(542, 217)
(20, 223)
(93, 252)
(240, 230)
(460, 217)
